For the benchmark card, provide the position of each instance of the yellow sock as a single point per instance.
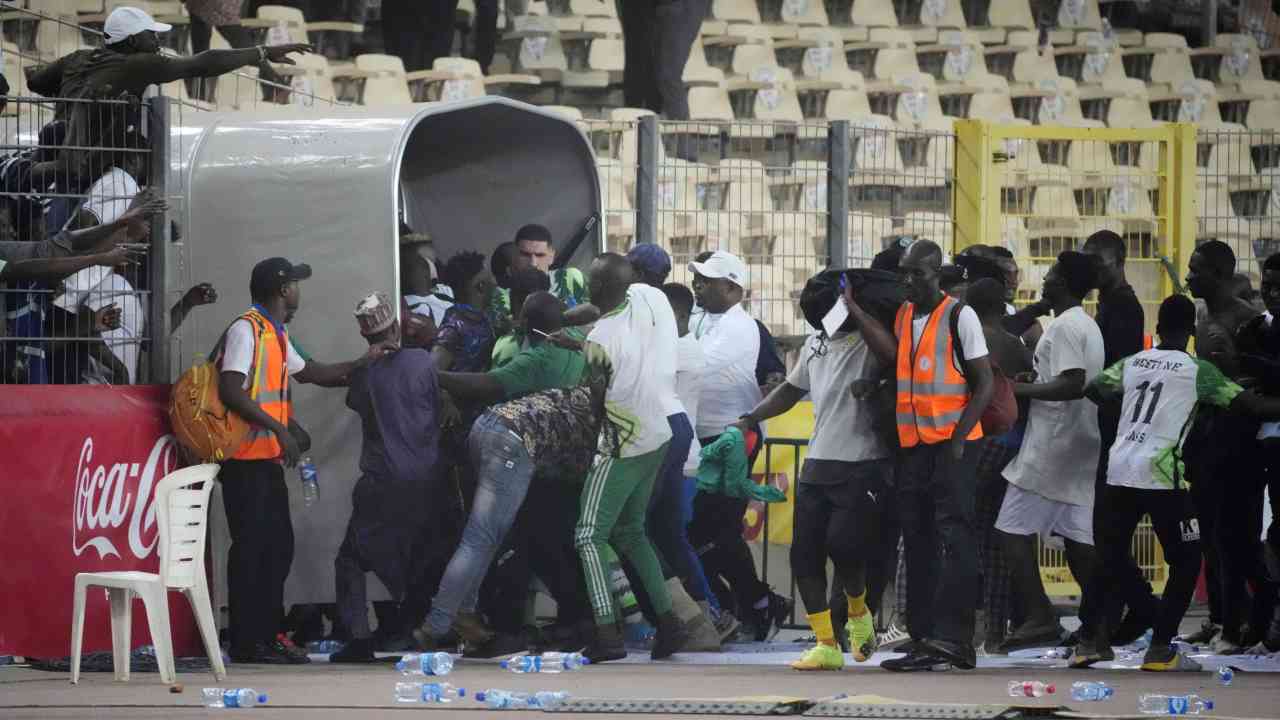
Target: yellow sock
(857, 604)
(821, 624)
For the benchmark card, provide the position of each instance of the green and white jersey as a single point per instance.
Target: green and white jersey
(1161, 389)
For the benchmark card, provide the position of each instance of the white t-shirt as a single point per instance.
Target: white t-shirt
(637, 341)
(731, 343)
(237, 353)
(1161, 391)
(107, 200)
(690, 366)
(124, 342)
(972, 338)
(842, 428)
(1059, 454)
(432, 306)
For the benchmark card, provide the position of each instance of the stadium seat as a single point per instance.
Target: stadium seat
(453, 78)
(619, 213)
(594, 54)
(917, 107)
(1075, 16)
(804, 14)
(1241, 62)
(309, 76)
(54, 39)
(767, 95)
(582, 8)
(933, 17)
(876, 160)
(721, 50)
(867, 234)
(1170, 65)
(889, 51)
(1003, 16)
(534, 48)
(873, 14)
(381, 80)
(287, 24)
(852, 104)
(929, 226)
(696, 69)
(238, 90)
(1053, 224)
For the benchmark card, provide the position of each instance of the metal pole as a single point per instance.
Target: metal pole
(158, 260)
(647, 179)
(838, 154)
(1209, 18)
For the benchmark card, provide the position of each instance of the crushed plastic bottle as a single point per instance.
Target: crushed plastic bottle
(437, 663)
(1225, 675)
(416, 692)
(233, 698)
(325, 647)
(310, 481)
(1030, 688)
(549, 699)
(505, 700)
(1143, 642)
(1152, 704)
(1082, 691)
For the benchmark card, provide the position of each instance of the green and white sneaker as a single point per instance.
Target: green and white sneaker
(862, 636)
(820, 657)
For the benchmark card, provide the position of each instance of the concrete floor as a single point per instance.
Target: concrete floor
(354, 692)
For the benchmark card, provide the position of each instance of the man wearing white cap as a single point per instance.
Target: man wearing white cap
(129, 63)
(731, 344)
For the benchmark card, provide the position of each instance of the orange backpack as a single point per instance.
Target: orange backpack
(201, 422)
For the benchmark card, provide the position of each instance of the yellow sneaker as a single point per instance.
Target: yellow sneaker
(820, 657)
(862, 636)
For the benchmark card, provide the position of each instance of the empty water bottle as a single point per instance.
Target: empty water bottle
(505, 699)
(1030, 688)
(415, 692)
(1174, 705)
(1143, 642)
(555, 662)
(233, 698)
(1226, 675)
(522, 663)
(437, 663)
(310, 481)
(1082, 691)
(325, 647)
(550, 700)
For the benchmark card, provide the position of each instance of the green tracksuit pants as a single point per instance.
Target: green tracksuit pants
(614, 502)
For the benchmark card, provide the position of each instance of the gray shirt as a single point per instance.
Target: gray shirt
(843, 424)
(59, 245)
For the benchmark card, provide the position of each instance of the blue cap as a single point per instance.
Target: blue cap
(262, 699)
(650, 259)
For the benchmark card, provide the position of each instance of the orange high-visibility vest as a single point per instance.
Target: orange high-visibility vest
(269, 387)
(932, 392)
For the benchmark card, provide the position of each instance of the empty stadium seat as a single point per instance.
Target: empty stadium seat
(452, 78)
(534, 48)
(887, 52)
(594, 55)
(1002, 17)
(918, 107)
(381, 78)
(238, 90)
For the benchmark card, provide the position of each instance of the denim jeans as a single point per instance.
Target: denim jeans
(671, 509)
(505, 469)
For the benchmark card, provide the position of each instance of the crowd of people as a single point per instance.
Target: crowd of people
(525, 421)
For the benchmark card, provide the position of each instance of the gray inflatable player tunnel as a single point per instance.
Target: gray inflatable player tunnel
(327, 186)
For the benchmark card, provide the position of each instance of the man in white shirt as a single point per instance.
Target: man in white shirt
(944, 386)
(419, 279)
(1052, 479)
(633, 346)
(731, 343)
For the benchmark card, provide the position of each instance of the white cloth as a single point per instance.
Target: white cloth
(125, 342)
(237, 353)
(1026, 513)
(842, 428)
(432, 306)
(690, 366)
(972, 339)
(638, 343)
(731, 343)
(108, 198)
(1059, 454)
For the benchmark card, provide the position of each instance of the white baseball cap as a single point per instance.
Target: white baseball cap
(722, 265)
(125, 22)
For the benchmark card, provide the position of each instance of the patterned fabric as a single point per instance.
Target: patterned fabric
(997, 579)
(469, 336)
(570, 286)
(216, 12)
(559, 428)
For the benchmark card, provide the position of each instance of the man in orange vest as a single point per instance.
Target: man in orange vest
(944, 385)
(256, 363)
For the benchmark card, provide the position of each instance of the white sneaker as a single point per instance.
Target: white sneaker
(892, 637)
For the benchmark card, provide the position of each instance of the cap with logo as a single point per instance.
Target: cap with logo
(125, 22)
(274, 273)
(722, 265)
(375, 314)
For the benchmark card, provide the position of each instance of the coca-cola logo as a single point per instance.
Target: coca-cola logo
(107, 497)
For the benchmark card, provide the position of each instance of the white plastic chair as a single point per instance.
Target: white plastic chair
(182, 514)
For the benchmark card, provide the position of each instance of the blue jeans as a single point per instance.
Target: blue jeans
(671, 510)
(504, 469)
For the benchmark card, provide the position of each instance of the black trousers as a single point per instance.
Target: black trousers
(657, 36)
(1136, 592)
(1174, 521)
(418, 31)
(836, 520)
(936, 504)
(484, 27)
(257, 505)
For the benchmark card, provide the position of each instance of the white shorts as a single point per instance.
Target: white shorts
(1027, 513)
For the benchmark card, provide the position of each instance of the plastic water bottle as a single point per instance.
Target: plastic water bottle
(1030, 688)
(310, 484)
(437, 663)
(550, 700)
(1143, 642)
(1174, 705)
(1082, 691)
(325, 647)
(555, 662)
(506, 700)
(522, 663)
(1225, 675)
(233, 698)
(413, 692)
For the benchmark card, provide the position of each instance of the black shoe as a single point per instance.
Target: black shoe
(497, 646)
(910, 647)
(284, 644)
(356, 651)
(1205, 635)
(395, 643)
(917, 662)
(770, 618)
(1132, 627)
(670, 638)
(962, 655)
(607, 645)
(269, 654)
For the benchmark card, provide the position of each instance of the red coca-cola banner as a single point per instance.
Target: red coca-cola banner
(77, 468)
